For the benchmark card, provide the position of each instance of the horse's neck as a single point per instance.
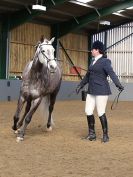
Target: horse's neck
(38, 72)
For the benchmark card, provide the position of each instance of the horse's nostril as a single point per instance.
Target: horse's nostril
(51, 66)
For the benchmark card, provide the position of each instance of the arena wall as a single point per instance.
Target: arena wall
(9, 91)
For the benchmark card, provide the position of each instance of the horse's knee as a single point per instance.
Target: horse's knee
(27, 120)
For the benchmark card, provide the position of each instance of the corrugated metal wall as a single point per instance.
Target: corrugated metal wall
(120, 48)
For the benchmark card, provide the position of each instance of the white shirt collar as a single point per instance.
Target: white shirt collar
(99, 56)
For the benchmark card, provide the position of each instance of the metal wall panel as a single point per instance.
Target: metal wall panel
(119, 48)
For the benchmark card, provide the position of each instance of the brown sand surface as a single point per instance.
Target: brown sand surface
(62, 152)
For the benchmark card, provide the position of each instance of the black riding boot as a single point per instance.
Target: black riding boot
(91, 126)
(104, 124)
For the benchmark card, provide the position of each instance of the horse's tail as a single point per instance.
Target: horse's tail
(44, 107)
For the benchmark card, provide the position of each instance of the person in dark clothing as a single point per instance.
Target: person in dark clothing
(98, 89)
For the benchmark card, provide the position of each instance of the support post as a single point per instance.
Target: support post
(89, 49)
(3, 49)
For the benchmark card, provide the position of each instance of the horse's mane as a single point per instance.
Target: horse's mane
(42, 38)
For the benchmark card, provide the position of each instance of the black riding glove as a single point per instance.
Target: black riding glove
(120, 87)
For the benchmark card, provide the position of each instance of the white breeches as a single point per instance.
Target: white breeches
(99, 101)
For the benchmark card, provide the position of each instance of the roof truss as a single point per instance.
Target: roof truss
(71, 25)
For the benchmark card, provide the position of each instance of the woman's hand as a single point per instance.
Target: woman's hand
(120, 88)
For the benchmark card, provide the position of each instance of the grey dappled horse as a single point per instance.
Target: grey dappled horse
(41, 79)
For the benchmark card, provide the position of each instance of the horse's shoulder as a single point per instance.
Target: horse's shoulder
(27, 68)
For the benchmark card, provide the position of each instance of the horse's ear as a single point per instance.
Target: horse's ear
(52, 40)
(42, 38)
(39, 42)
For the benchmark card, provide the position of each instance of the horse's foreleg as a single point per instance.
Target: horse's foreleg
(28, 118)
(20, 104)
(51, 107)
(28, 105)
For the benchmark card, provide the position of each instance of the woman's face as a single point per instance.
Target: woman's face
(95, 52)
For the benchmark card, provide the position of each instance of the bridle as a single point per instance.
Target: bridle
(48, 59)
(42, 52)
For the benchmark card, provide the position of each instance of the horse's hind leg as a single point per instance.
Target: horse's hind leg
(28, 117)
(27, 108)
(20, 104)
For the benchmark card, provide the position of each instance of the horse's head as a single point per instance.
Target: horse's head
(45, 54)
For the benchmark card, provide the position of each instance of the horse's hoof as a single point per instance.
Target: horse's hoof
(49, 129)
(19, 139)
(17, 131)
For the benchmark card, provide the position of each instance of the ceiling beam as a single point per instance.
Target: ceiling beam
(10, 9)
(71, 25)
(26, 15)
(15, 2)
(61, 12)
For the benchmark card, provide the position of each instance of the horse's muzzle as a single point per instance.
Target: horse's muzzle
(52, 69)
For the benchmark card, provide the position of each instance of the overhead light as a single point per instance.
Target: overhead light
(78, 2)
(84, 1)
(130, 7)
(119, 11)
(116, 13)
(39, 7)
(103, 22)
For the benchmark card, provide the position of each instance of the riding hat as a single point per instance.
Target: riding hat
(98, 45)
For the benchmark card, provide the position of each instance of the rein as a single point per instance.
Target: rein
(116, 100)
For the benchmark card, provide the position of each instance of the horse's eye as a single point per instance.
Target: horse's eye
(43, 51)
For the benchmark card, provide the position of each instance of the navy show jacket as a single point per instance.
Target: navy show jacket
(96, 77)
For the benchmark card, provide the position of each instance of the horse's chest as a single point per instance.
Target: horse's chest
(53, 81)
(34, 92)
(31, 91)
